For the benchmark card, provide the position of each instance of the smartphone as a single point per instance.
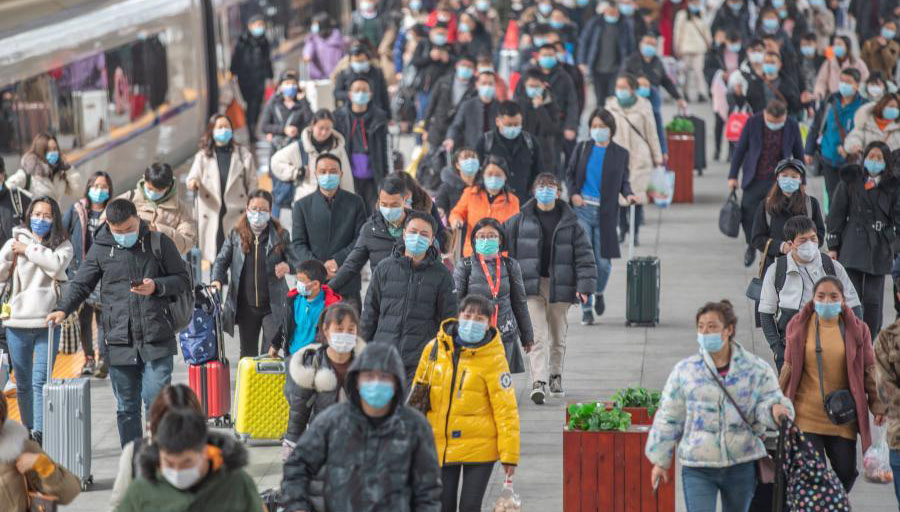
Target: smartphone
(136, 282)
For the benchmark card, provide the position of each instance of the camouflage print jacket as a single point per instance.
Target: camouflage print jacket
(887, 376)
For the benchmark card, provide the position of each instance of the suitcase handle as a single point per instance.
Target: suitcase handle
(270, 367)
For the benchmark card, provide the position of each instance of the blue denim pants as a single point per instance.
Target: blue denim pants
(895, 468)
(133, 385)
(589, 220)
(702, 487)
(28, 353)
(656, 104)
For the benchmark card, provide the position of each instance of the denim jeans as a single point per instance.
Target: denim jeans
(28, 352)
(588, 218)
(134, 384)
(702, 486)
(656, 104)
(895, 468)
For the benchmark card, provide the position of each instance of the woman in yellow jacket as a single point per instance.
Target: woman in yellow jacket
(473, 413)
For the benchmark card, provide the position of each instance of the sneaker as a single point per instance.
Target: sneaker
(599, 305)
(587, 317)
(749, 256)
(37, 437)
(556, 389)
(102, 369)
(89, 366)
(538, 392)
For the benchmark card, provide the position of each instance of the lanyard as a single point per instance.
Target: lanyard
(362, 125)
(493, 285)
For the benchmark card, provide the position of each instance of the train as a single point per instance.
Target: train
(122, 83)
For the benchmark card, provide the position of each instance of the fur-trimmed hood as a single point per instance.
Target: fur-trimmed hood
(234, 455)
(13, 436)
(311, 369)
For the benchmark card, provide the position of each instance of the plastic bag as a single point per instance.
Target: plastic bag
(508, 501)
(662, 186)
(876, 462)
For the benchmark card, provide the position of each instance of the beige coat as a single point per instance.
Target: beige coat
(822, 26)
(641, 141)
(38, 273)
(241, 182)
(866, 130)
(43, 182)
(830, 75)
(691, 36)
(172, 218)
(285, 164)
(881, 58)
(54, 481)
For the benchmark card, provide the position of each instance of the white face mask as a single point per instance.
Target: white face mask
(807, 251)
(342, 342)
(181, 478)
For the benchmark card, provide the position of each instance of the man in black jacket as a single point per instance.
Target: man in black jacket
(361, 66)
(136, 289)
(447, 95)
(327, 222)
(518, 147)
(410, 294)
(13, 205)
(251, 63)
(476, 115)
(433, 58)
(561, 86)
(541, 117)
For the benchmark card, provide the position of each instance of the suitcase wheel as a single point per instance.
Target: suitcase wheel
(244, 438)
(627, 323)
(87, 482)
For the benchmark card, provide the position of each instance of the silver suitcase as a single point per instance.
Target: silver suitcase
(67, 422)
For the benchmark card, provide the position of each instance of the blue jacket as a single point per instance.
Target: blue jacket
(749, 147)
(589, 42)
(831, 135)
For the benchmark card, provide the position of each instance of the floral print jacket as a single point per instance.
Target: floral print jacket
(696, 414)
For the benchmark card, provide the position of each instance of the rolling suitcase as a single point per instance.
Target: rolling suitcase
(67, 422)
(642, 289)
(211, 380)
(260, 408)
(699, 143)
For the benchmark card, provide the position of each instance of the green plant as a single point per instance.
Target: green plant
(594, 417)
(680, 125)
(637, 397)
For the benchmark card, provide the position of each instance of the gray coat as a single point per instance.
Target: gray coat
(468, 122)
(572, 266)
(368, 468)
(373, 244)
(513, 320)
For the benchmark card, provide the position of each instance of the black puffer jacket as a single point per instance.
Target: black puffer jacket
(376, 121)
(513, 320)
(855, 217)
(251, 62)
(572, 266)
(406, 304)
(135, 325)
(368, 468)
(441, 109)
(451, 189)
(373, 244)
(276, 116)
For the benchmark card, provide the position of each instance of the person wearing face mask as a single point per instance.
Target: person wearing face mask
(251, 64)
(722, 61)
(485, 13)
(475, 115)
(372, 22)
(810, 61)
(323, 47)
(829, 349)
(518, 148)
(603, 47)
(223, 175)
(788, 283)
(188, 467)
(342, 212)
(284, 115)
(157, 200)
(881, 52)
(861, 226)
(875, 122)
(44, 171)
(81, 222)
(596, 177)
(562, 89)
(34, 262)
(714, 406)
(733, 16)
(489, 197)
(828, 80)
(490, 274)
(397, 313)
(465, 365)
(541, 117)
(137, 283)
(691, 40)
(304, 306)
(362, 65)
(773, 82)
(869, 15)
(875, 87)
(472, 38)
(393, 440)
(821, 22)
(433, 58)
(258, 254)
(455, 178)
(449, 93)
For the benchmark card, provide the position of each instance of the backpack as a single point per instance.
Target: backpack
(283, 191)
(182, 306)
(781, 270)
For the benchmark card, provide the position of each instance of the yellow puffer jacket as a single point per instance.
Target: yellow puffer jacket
(473, 403)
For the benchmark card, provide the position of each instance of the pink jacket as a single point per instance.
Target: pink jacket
(830, 75)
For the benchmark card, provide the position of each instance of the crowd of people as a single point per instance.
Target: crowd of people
(400, 392)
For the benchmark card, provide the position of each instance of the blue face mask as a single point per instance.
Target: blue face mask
(711, 342)
(808, 51)
(257, 218)
(612, 20)
(416, 244)
(774, 126)
(875, 167)
(40, 227)
(547, 61)
(469, 166)
(464, 28)
(890, 113)
(360, 67)
(770, 25)
(439, 39)
(222, 135)
(471, 331)
(545, 195)
(328, 181)
(289, 91)
(98, 195)
(625, 97)
(360, 97)
(788, 185)
(534, 92)
(391, 214)
(828, 310)
(377, 393)
(735, 47)
(817, 3)
(545, 9)
(778, 4)
(126, 239)
(487, 246)
(258, 31)
(600, 135)
(556, 24)
(648, 50)
(888, 33)
(582, 3)
(487, 91)
(643, 91)
(846, 89)
(538, 42)
(494, 183)
(770, 69)
(755, 57)
(482, 5)
(52, 157)
(840, 51)
(626, 9)
(153, 195)
(511, 132)
(314, 28)
(464, 72)
(302, 289)
(694, 9)
(735, 8)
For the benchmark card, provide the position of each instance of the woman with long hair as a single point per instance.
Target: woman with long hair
(45, 171)
(490, 196)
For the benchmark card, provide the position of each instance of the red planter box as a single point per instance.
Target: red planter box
(607, 472)
(681, 160)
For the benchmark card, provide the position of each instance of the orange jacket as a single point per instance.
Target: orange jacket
(473, 206)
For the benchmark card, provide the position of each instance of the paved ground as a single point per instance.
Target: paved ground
(698, 264)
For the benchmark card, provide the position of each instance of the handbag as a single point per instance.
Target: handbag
(754, 289)
(730, 216)
(765, 467)
(420, 395)
(735, 125)
(70, 333)
(40, 502)
(839, 404)
(810, 486)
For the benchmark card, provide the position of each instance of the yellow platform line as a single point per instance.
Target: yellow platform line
(67, 366)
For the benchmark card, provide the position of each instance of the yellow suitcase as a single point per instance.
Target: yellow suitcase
(260, 408)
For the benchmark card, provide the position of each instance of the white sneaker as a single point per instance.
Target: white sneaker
(538, 393)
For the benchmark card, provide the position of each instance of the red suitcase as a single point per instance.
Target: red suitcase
(211, 381)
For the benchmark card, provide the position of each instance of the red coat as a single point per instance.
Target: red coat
(860, 364)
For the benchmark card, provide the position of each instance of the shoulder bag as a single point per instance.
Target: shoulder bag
(40, 502)
(420, 395)
(839, 404)
(754, 289)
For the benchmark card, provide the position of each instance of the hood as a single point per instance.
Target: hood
(225, 451)
(450, 177)
(13, 436)
(172, 193)
(103, 236)
(331, 296)
(854, 173)
(308, 373)
(381, 357)
(447, 334)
